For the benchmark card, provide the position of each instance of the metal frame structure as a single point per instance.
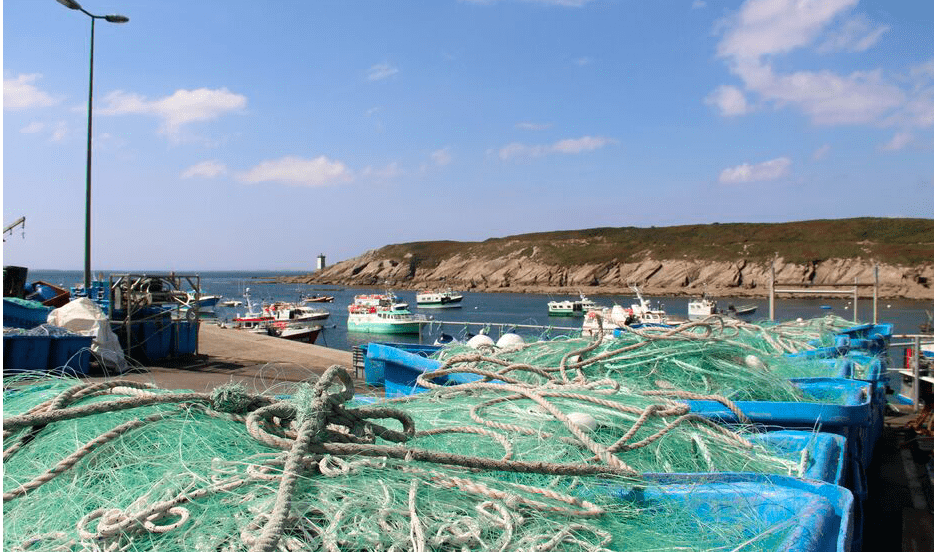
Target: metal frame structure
(808, 288)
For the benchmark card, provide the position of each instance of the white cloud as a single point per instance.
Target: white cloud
(20, 93)
(392, 170)
(567, 146)
(697, 4)
(60, 132)
(182, 107)
(729, 100)
(33, 128)
(763, 27)
(533, 126)
(923, 71)
(205, 169)
(381, 71)
(897, 142)
(442, 156)
(821, 152)
(769, 170)
(298, 171)
(856, 34)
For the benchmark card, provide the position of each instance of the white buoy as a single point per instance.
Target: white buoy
(754, 362)
(583, 420)
(510, 340)
(481, 340)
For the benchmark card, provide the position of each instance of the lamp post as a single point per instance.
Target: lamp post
(71, 4)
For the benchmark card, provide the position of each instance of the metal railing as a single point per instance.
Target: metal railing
(808, 288)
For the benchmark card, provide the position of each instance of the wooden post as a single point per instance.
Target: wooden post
(772, 294)
(875, 295)
(916, 372)
(855, 300)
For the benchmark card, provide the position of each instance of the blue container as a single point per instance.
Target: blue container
(823, 454)
(184, 337)
(22, 313)
(400, 370)
(70, 354)
(23, 353)
(818, 516)
(374, 368)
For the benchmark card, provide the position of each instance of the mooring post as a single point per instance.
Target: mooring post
(875, 295)
(772, 294)
(916, 372)
(855, 299)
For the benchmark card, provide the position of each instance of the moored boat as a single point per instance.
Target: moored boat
(304, 334)
(378, 319)
(703, 307)
(318, 298)
(438, 299)
(572, 307)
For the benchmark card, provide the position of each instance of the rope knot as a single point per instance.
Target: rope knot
(231, 398)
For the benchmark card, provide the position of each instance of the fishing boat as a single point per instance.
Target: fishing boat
(292, 313)
(383, 319)
(438, 299)
(318, 298)
(701, 308)
(231, 303)
(206, 304)
(638, 315)
(572, 307)
(739, 311)
(385, 300)
(279, 319)
(304, 334)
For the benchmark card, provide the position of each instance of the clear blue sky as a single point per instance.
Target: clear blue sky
(256, 135)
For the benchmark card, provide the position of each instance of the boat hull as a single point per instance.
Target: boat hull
(384, 327)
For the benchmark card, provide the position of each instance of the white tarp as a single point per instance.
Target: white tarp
(83, 316)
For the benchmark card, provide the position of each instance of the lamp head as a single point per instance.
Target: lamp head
(71, 4)
(113, 18)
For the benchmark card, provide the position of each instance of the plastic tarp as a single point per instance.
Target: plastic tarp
(83, 316)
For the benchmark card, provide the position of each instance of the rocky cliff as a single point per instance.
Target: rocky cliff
(655, 276)
(726, 260)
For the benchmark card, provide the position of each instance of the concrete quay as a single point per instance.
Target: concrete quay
(261, 363)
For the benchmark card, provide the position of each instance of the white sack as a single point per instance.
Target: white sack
(83, 316)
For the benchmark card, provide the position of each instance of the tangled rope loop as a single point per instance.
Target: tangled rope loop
(327, 419)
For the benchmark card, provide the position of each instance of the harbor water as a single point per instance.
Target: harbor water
(498, 310)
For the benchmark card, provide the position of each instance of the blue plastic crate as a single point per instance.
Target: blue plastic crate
(23, 353)
(374, 366)
(70, 354)
(814, 516)
(22, 313)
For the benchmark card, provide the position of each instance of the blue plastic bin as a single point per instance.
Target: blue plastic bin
(374, 367)
(22, 353)
(814, 516)
(22, 313)
(70, 354)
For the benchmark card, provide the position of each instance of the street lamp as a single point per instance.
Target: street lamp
(71, 4)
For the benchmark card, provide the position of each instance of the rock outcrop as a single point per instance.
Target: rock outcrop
(520, 271)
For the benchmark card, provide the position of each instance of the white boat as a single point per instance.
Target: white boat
(385, 300)
(292, 313)
(637, 315)
(702, 308)
(231, 303)
(438, 299)
(281, 320)
(572, 307)
(205, 303)
(612, 319)
(379, 319)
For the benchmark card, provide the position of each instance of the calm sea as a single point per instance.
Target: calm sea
(499, 309)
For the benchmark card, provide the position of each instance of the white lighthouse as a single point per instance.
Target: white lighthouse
(320, 265)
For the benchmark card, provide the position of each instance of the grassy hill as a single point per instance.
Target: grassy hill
(896, 241)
